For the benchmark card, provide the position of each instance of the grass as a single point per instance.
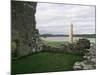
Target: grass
(44, 62)
(55, 43)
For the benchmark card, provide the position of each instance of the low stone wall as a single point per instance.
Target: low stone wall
(79, 47)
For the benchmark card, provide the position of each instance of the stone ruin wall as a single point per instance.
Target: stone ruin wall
(24, 35)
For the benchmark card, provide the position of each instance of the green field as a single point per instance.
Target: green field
(45, 62)
(55, 43)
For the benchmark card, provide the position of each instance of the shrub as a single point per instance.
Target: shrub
(82, 45)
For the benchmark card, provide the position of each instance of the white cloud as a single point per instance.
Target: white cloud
(56, 18)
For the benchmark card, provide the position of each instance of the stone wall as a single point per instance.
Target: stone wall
(89, 61)
(24, 34)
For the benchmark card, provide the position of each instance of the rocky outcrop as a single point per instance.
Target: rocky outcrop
(24, 34)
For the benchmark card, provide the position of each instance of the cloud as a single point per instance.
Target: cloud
(56, 18)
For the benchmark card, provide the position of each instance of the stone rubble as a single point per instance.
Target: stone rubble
(89, 61)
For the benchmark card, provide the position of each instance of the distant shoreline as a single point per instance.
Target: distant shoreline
(76, 35)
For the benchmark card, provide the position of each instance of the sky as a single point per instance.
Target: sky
(52, 18)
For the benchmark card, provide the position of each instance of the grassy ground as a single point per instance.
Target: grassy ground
(45, 62)
(55, 43)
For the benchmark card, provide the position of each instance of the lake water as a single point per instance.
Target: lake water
(64, 39)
